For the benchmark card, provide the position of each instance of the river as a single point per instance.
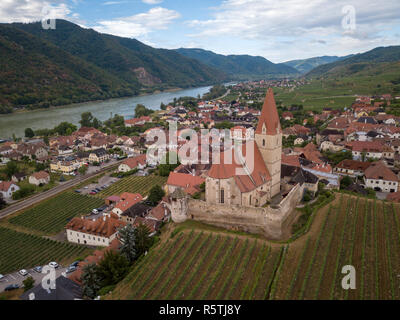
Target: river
(16, 123)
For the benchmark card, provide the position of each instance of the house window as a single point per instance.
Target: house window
(222, 198)
(263, 142)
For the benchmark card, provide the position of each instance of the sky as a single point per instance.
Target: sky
(279, 30)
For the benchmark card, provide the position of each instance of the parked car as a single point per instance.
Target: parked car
(92, 193)
(86, 188)
(71, 269)
(95, 211)
(1, 277)
(53, 264)
(78, 191)
(97, 189)
(75, 263)
(11, 287)
(23, 272)
(38, 269)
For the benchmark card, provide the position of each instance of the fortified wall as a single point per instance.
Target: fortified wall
(268, 221)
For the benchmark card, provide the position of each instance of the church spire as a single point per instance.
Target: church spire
(269, 119)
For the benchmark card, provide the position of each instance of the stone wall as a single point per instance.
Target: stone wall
(268, 221)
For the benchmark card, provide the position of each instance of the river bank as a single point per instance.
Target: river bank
(16, 123)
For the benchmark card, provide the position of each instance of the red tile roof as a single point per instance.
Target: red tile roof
(134, 162)
(269, 116)
(186, 181)
(41, 175)
(104, 226)
(379, 171)
(128, 200)
(246, 182)
(5, 185)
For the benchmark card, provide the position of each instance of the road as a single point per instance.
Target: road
(23, 204)
(16, 278)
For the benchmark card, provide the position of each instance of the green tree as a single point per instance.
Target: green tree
(141, 110)
(112, 268)
(11, 168)
(82, 170)
(345, 182)
(29, 133)
(143, 240)
(91, 281)
(29, 283)
(3, 203)
(86, 119)
(65, 129)
(155, 195)
(127, 237)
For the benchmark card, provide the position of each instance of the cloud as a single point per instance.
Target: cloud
(32, 10)
(270, 23)
(110, 3)
(140, 24)
(152, 1)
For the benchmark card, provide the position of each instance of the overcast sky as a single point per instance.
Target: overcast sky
(277, 30)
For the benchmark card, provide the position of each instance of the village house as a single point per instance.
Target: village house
(99, 156)
(18, 177)
(137, 121)
(351, 168)
(100, 232)
(39, 178)
(137, 210)
(130, 164)
(188, 182)
(127, 200)
(7, 188)
(380, 178)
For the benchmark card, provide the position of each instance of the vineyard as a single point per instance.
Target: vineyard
(207, 265)
(133, 184)
(20, 250)
(52, 215)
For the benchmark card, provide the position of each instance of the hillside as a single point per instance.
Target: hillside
(355, 64)
(240, 66)
(306, 65)
(71, 64)
(202, 262)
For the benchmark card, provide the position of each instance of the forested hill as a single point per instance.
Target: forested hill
(41, 68)
(372, 60)
(240, 66)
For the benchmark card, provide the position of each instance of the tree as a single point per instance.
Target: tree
(345, 182)
(155, 195)
(86, 119)
(3, 203)
(82, 170)
(141, 111)
(143, 240)
(10, 169)
(112, 268)
(29, 283)
(91, 281)
(127, 237)
(29, 133)
(65, 129)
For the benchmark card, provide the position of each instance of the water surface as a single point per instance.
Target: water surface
(16, 123)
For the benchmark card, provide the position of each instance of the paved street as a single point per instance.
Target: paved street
(16, 278)
(56, 190)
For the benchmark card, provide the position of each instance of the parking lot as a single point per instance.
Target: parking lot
(103, 181)
(16, 278)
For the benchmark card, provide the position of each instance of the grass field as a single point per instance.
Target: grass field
(21, 250)
(133, 184)
(52, 215)
(204, 264)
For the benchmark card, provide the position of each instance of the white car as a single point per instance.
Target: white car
(53, 264)
(23, 272)
(1, 277)
(95, 211)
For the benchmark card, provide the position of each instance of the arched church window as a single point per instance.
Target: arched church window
(263, 142)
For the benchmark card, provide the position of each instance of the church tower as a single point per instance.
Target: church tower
(268, 136)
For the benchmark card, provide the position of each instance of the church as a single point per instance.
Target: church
(251, 177)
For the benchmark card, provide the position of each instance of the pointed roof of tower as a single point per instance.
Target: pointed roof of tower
(269, 116)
